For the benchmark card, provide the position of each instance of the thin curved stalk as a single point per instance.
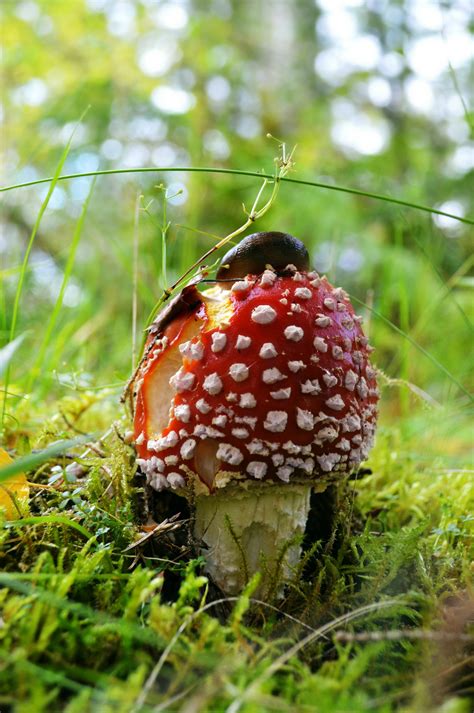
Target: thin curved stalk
(239, 172)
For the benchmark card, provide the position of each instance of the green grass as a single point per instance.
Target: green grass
(94, 619)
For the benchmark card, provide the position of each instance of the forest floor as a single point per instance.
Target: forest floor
(101, 614)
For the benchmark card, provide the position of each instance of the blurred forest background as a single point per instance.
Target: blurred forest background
(376, 96)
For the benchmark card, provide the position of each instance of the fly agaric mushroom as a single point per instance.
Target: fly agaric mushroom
(249, 396)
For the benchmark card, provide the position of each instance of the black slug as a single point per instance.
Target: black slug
(256, 251)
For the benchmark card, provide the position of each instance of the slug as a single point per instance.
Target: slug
(255, 252)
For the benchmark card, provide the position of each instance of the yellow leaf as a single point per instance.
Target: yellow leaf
(14, 491)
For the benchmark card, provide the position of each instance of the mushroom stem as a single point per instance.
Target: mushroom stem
(250, 530)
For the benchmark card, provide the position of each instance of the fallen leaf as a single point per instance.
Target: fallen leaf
(13, 491)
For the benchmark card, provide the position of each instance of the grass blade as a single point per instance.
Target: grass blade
(53, 678)
(255, 174)
(36, 368)
(136, 221)
(16, 304)
(50, 520)
(8, 352)
(33, 460)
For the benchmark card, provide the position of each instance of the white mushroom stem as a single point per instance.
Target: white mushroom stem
(249, 529)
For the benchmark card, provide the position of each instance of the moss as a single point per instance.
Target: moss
(115, 622)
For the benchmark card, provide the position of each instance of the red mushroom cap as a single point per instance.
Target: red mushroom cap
(279, 389)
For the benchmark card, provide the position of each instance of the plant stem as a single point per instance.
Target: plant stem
(284, 165)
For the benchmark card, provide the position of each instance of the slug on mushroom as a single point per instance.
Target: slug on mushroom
(251, 395)
(256, 251)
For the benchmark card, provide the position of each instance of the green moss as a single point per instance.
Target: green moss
(92, 625)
